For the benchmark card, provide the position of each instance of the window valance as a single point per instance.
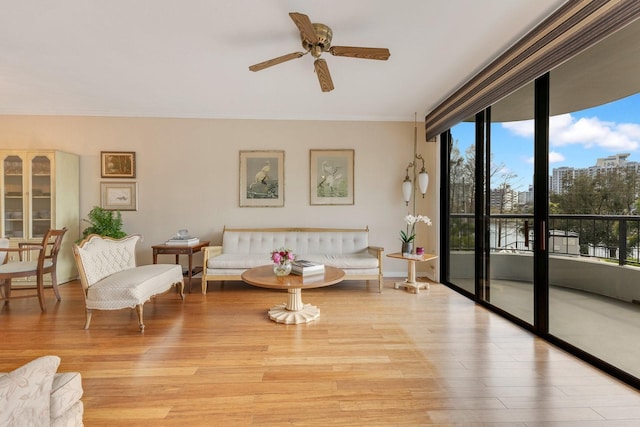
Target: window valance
(574, 27)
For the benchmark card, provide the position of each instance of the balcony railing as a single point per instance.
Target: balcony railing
(609, 237)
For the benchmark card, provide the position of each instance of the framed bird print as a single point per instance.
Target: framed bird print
(261, 178)
(121, 196)
(331, 177)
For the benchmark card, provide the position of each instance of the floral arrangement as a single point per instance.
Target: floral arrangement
(282, 256)
(410, 234)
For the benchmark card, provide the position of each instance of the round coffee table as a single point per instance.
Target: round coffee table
(294, 311)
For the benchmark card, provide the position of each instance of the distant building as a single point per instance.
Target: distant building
(504, 199)
(558, 178)
(525, 198)
(603, 164)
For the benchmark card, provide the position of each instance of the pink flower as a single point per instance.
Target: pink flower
(282, 256)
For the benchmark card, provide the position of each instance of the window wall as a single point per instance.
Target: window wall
(556, 240)
(594, 268)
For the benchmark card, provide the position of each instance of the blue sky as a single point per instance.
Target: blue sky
(576, 140)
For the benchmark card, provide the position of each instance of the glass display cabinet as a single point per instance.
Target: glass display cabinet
(40, 190)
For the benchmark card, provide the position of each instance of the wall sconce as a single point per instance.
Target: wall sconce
(408, 188)
(423, 180)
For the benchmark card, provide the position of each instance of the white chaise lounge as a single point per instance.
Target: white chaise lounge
(112, 281)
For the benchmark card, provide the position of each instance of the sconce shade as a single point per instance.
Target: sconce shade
(423, 181)
(407, 190)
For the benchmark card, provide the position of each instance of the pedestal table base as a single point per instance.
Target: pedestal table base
(413, 287)
(294, 311)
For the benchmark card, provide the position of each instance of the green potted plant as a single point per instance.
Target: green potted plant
(104, 223)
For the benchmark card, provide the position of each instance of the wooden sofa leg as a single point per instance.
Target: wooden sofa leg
(140, 322)
(87, 321)
(180, 286)
(380, 284)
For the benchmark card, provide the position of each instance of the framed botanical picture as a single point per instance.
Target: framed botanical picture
(118, 164)
(331, 177)
(122, 196)
(262, 178)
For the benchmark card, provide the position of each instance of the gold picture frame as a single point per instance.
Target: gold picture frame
(120, 196)
(331, 175)
(118, 164)
(262, 178)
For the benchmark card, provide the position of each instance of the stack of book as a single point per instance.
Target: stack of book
(303, 267)
(182, 241)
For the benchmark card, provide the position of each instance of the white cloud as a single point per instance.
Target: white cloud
(554, 157)
(523, 128)
(589, 132)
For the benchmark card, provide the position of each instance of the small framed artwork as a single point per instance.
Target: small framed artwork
(331, 177)
(261, 178)
(122, 196)
(118, 164)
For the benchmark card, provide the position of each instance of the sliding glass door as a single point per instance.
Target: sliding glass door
(544, 200)
(509, 159)
(462, 190)
(594, 269)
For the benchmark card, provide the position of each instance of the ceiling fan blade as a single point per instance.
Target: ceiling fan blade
(303, 23)
(361, 52)
(324, 77)
(276, 61)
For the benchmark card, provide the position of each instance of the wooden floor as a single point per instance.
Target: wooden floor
(391, 359)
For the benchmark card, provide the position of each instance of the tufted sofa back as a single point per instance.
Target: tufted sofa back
(98, 257)
(307, 241)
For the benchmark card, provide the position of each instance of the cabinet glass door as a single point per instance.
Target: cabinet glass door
(13, 167)
(40, 196)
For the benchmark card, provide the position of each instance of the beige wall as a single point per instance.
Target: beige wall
(188, 173)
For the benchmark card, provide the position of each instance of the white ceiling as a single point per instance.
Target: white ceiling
(190, 58)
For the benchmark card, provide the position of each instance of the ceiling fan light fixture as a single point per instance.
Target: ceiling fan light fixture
(316, 39)
(316, 51)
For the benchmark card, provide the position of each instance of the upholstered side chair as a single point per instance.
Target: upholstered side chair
(45, 264)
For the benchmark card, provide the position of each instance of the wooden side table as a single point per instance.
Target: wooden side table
(410, 284)
(176, 250)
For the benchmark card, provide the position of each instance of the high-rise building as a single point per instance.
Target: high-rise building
(603, 164)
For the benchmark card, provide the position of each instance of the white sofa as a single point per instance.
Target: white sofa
(35, 395)
(112, 281)
(245, 248)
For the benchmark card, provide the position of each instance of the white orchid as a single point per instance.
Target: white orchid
(411, 220)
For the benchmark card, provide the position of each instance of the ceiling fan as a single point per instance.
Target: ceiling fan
(316, 39)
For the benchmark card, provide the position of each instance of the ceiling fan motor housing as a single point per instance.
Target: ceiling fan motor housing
(324, 35)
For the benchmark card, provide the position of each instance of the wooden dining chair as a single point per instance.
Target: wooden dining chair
(45, 264)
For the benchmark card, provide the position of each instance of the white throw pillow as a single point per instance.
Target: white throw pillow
(25, 393)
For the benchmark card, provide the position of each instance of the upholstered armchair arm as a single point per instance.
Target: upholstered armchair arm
(210, 252)
(376, 250)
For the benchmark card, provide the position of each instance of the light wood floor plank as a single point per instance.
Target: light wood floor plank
(390, 359)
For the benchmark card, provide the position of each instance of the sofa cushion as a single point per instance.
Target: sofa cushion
(301, 242)
(66, 391)
(133, 286)
(25, 393)
(344, 261)
(244, 261)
